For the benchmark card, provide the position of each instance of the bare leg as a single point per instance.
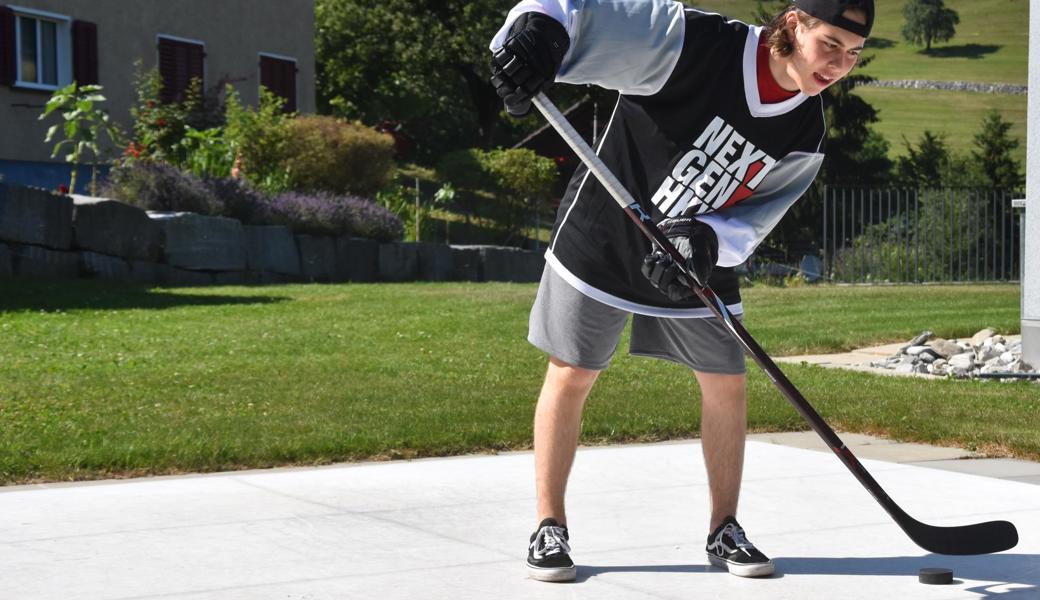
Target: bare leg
(557, 426)
(723, 429)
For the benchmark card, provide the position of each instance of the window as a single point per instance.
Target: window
(180, 61)
(278, 74)
(42, 49)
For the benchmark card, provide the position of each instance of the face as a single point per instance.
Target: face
(823, 54)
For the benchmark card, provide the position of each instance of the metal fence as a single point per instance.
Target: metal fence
(899, 235)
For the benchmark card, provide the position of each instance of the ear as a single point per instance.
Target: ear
(791, 22)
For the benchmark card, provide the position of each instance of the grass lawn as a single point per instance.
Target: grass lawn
(959, 114)
(991, 44)
(101, 380)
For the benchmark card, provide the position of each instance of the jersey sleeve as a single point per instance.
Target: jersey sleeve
(742, 227)
(630, 46)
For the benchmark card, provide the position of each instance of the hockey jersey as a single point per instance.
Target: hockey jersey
(688, 131)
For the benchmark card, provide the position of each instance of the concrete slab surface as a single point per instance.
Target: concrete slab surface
(457, 529)
(868, 446)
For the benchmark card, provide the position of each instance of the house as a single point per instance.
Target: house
(47, 44)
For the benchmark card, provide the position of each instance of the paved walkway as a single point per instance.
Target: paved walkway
(456, 529)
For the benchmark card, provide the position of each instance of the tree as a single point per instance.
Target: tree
(422, 63)
(928, 21)
(925, 165)
(992, 154)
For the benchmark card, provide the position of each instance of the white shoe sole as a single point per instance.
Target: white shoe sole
(557, 574)
(759, 570)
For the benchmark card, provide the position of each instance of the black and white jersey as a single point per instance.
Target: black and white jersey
(688, 131)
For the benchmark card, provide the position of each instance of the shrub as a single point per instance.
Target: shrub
(160, 126)
(464, 169)
(338, 156)
(259, 140)
(207, 152)
(241, 201)
(163, 187)
(523, 180)
(328, 214)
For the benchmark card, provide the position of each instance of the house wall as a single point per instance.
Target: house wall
(234, 33)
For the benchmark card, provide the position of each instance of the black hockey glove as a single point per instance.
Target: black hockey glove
(693, 239)
(529, 60)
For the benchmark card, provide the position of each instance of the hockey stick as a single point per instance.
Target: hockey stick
(980, 538)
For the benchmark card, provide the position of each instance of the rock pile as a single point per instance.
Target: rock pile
(986, 354)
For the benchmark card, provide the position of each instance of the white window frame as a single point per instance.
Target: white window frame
(63, 49)
(174, 38)
(259, 74)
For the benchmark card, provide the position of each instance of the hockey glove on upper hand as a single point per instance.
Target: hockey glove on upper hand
(528, 61)
(697, 242)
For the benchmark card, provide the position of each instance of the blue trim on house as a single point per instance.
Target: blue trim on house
(48, 175)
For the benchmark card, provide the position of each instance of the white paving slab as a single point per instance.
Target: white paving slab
(457, 529)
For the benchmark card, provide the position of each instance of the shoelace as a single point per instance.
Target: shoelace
(739, 537)
(550, 540)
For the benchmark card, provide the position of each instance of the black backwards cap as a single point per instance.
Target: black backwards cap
(832, 11)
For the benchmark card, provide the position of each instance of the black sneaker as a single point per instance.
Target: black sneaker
(729, 548)
(547, 556)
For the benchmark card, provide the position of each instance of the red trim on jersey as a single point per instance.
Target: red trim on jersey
(768, 89)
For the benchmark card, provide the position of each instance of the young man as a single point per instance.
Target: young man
(718, 130)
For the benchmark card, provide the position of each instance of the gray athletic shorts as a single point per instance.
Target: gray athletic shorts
(583, 332)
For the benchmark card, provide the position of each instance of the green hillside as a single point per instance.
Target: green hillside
(958, 114)
(991, 46)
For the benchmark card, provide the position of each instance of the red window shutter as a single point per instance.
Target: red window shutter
(179, 63)
(279, 76)
(84, 52)
(8, 66)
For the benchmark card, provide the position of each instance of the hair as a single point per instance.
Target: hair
(779, 39)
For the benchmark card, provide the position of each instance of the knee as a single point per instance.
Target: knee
(565, 375)
(722, 387)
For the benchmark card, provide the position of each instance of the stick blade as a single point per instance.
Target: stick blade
(980, 538)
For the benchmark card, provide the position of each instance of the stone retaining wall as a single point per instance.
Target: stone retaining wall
(44, 235)
(951, 86)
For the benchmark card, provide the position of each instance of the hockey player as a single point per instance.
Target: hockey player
(718, 129)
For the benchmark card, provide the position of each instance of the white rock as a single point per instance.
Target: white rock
(915, 350)
(905, 368)
(981, 336)
(944, 348)
(986, 354)
(927, 357)
(1000, 347)
(992, 368)
(1007, 358)
(962, 361)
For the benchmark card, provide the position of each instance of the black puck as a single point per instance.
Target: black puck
(935, 576)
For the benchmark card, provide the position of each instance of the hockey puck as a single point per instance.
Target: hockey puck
(935, 576)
